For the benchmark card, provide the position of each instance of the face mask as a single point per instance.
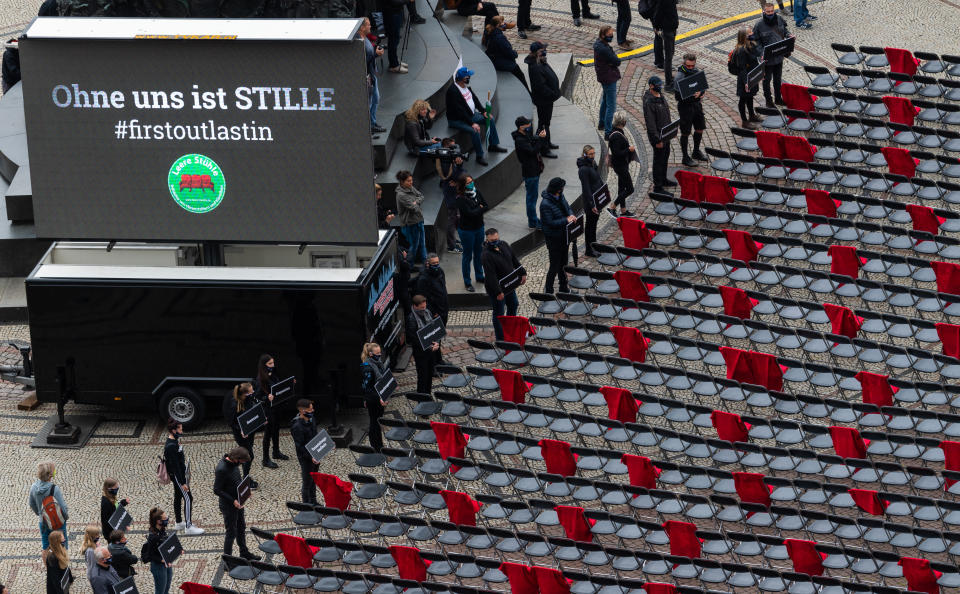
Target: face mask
(495, 243)
(164, 523)
(375, 357)
(97, 539)
(270, 369)
(108, 561)
(543, 53)
(470, 186)
(466, 81)
(608, 38)
(114, 491)
(770, 18)
(658, 88)
(309, 416)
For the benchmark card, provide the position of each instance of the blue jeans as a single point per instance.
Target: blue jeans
(800, 12)
(374, 101)
(45, 536)
(162, 577)
(478, 118)
(608, 106)
(472, 242)
(507, 307)
(415, 237)
(532, 184)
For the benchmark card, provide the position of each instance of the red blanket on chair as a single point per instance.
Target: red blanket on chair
(820, 203)
(410, 565)
(920, 576)
(558, 457)
(630, 342)
(632, 285)
(899, 161)
(512, 386)
(901, 110)
(797, 97)
(635, 233)
(876, 388)
(516, 329)
(575, 524)
(842, 320)
(729, 426)
(847, 442)
(736, 302)
(766, 371)
(738, 364)
(296, 550)
(521, 577)
(683, 538)
(641, 471)
(551, 581)
(717, 190)
(844, 260)
(461, 508)
(924, 219)
(770, 144)
(621, 405)
(751, 488)
(193, 588)
(336, 492)
(691, 185)
(949, 338)
(450, 441)
(869, 501)
(659, 588)
(806, 559)
(742, 245)
(948, 277)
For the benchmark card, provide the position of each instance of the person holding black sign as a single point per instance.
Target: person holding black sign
(234, 404)
(656, 115)
(432, 284)
(303, 429)
(555, 213)
(744, 58)
(124, 560)
(499, 261)
(57, 564)
(424, 358)
(226, 479)
(590, 182)
(371, 370)
(769, 30)
(690, 111)
(156, 535)
(104, 576)
(471, 206)
(177, 470)
(263, 387)
(621, 154)
(109, 504)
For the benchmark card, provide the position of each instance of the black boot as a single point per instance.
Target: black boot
(268, 463)
(684, 147)
(280, 455)
(697, 139)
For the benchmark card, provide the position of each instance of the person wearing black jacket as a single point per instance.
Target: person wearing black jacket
(226, 479)
(691, 115)
(746, 57)
(432, 284)
(499, 50)
(544, 90)
(303, 428)
(417, 120)
(425, 359)
(621, 154)
(665, 22)
(448, 171)
(471, 205)
(150, 553)
(555, 213)
(656, 115)
(109, 503)
(236, 403)
(769, 30)
(372, 368)
(498, 262)
(384, 214)
(10, 73)
(393, 21)
(263, 392)
(590, 182)
(465, 112)
(124, 560)
(176, 464)
(402, 280)
(530, 149)
(606, 64)
(57, 563)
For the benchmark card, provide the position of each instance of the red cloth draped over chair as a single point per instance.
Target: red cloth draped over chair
(558, 457)
(575, 524)
(194, 588)
(691, 185)
(631, 343)
(847, 442)
(683, 538)
(920, 576)
(521, 577)
(820, 203)
(742, 245)
(751, 488)
(295, 550)
(729, 426)
(641, 471)
(770, 144)
(632, 286)
(512, 386)
(899, 161)
(924, 219)
(635, 233)
(736, 302)
(336, 492)
(738, 364)
(410, 565)
(901, 110)
(901, 60)
(659, 588)
(461, 508)
(842, 320)
(869, 501)
(717, 190)
(844, 260)
(876, 388)
(621, 405)
(797, 97)
(551, 581)
(948, 277)
(516, 329)
(767, 371)
(806, 558)
(950, 339)
(951, 458)
(450, 441)
(798, 148)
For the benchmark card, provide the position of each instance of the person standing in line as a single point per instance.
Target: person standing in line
(656, 115)
(624, 17)
(161, 571)
(432, 284)
(372, 369)
(746, 57)
(769, 30)
(124, 560)
(691, 115)
(91, 538)
(523, 19)
(57, 563)
(42, 488)
(425, 359)
(500, 51)
(780, 3)
(580, 8)
(372, 53)
(226, 479)
(177, 470)
(402, 280)
(471, 205)
(665, 22)
(606, 63)
(109, 503)
(544, 90)
(499, 261)
(410, 215)
(555, 213)
(590, 182)
(465, 112)
(235, 404)
(303, 428)
(263, 384)
(802, 16)
(415, 17)
(104, 576)
(529, 149)
(621, 154)
(448, 170)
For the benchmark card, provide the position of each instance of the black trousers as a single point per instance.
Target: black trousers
(544, 115)
(375, 411)
(523, 14)
(590, 229)
(624, 185)
(660, 157)
(244, 442)
(235, 525)
(772, 72)
(663, 48)
(182, 499)
(624, 17)
(516, 71)
(577, 5)
(558, 253)
(271, 432)
(425, 361)
(468, 8)
(308, 488)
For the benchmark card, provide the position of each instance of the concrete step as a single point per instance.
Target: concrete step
(13, 300)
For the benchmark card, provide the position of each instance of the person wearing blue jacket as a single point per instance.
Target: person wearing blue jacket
(42, 488)
(555, 213)
(499, 50)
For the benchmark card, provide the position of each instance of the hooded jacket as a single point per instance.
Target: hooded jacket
(40, 490)
(665, 17)
(768, 34)
(544, 83)
(554, 211)
(656, 115)
(432, 284)
(590, 180)
(605, 62)
(498, 261)
(409, 201)
(529, 147)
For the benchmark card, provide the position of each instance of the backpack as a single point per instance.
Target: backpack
(732, 67)
(646, 8)
(50, 511)
(145, 552)
(162, 476)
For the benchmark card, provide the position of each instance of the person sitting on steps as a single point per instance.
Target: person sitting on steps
(465, 112)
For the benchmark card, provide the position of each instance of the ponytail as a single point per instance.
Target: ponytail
(240, 392)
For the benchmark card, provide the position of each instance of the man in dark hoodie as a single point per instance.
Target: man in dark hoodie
(769, 30)
(544, 87)
(529, 150)
(499, 261)
(555, 213)
(665, 22)
(590, 182)
(690, 111)
(656, 115)
(606, 63)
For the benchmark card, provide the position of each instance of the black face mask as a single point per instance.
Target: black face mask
(770, 18)
(494, 244)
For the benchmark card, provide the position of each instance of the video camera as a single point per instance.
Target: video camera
(447, 154)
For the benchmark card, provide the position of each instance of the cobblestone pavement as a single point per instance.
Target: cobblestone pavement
(126, 444)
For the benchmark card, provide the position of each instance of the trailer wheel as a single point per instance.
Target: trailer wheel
(182, 404)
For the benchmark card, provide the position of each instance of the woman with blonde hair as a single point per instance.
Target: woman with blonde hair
(236, 402)
(91, 536)
(42, 488)
(372, 368)
(57, 563)
(418, 119)
(109, 503)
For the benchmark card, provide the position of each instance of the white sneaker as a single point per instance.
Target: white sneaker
(194, 531)
(179, 525)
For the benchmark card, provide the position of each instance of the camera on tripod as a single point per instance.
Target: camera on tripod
(448, 153)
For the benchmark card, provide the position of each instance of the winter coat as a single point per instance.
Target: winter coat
(554, 211)
(415, 133)
(529, 147)
(619, 148)
(544, 83)
(605, 62)
(500, 52)
(745, 60)
(123, 559)
(457, 109)
(39, 491)
(409, 201)
(432, 284)
(665, 17)
(498, 261)
(767, 34)
(471, 210)
(590, 180)
(656, 115)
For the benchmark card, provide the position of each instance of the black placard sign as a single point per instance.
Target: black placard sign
(170, 549)
(120, 518)
(282, 390)
(511, 281)
(780, 49)
(694, 83)
(243, 490)
(252, 419)
(669, 131)
(386, 385)
(65, 579)
(755, 76)
(320, 445)
(125, 586)
(602, 197)
(431, 333)
(575, 228)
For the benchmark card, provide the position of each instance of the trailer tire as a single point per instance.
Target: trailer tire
(184, 405)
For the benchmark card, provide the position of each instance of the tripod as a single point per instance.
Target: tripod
(436, 14)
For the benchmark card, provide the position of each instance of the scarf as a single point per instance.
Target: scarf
(422, 317)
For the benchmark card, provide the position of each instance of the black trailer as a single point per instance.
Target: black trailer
(142, 325)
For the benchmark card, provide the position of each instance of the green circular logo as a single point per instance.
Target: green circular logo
(196, 183)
